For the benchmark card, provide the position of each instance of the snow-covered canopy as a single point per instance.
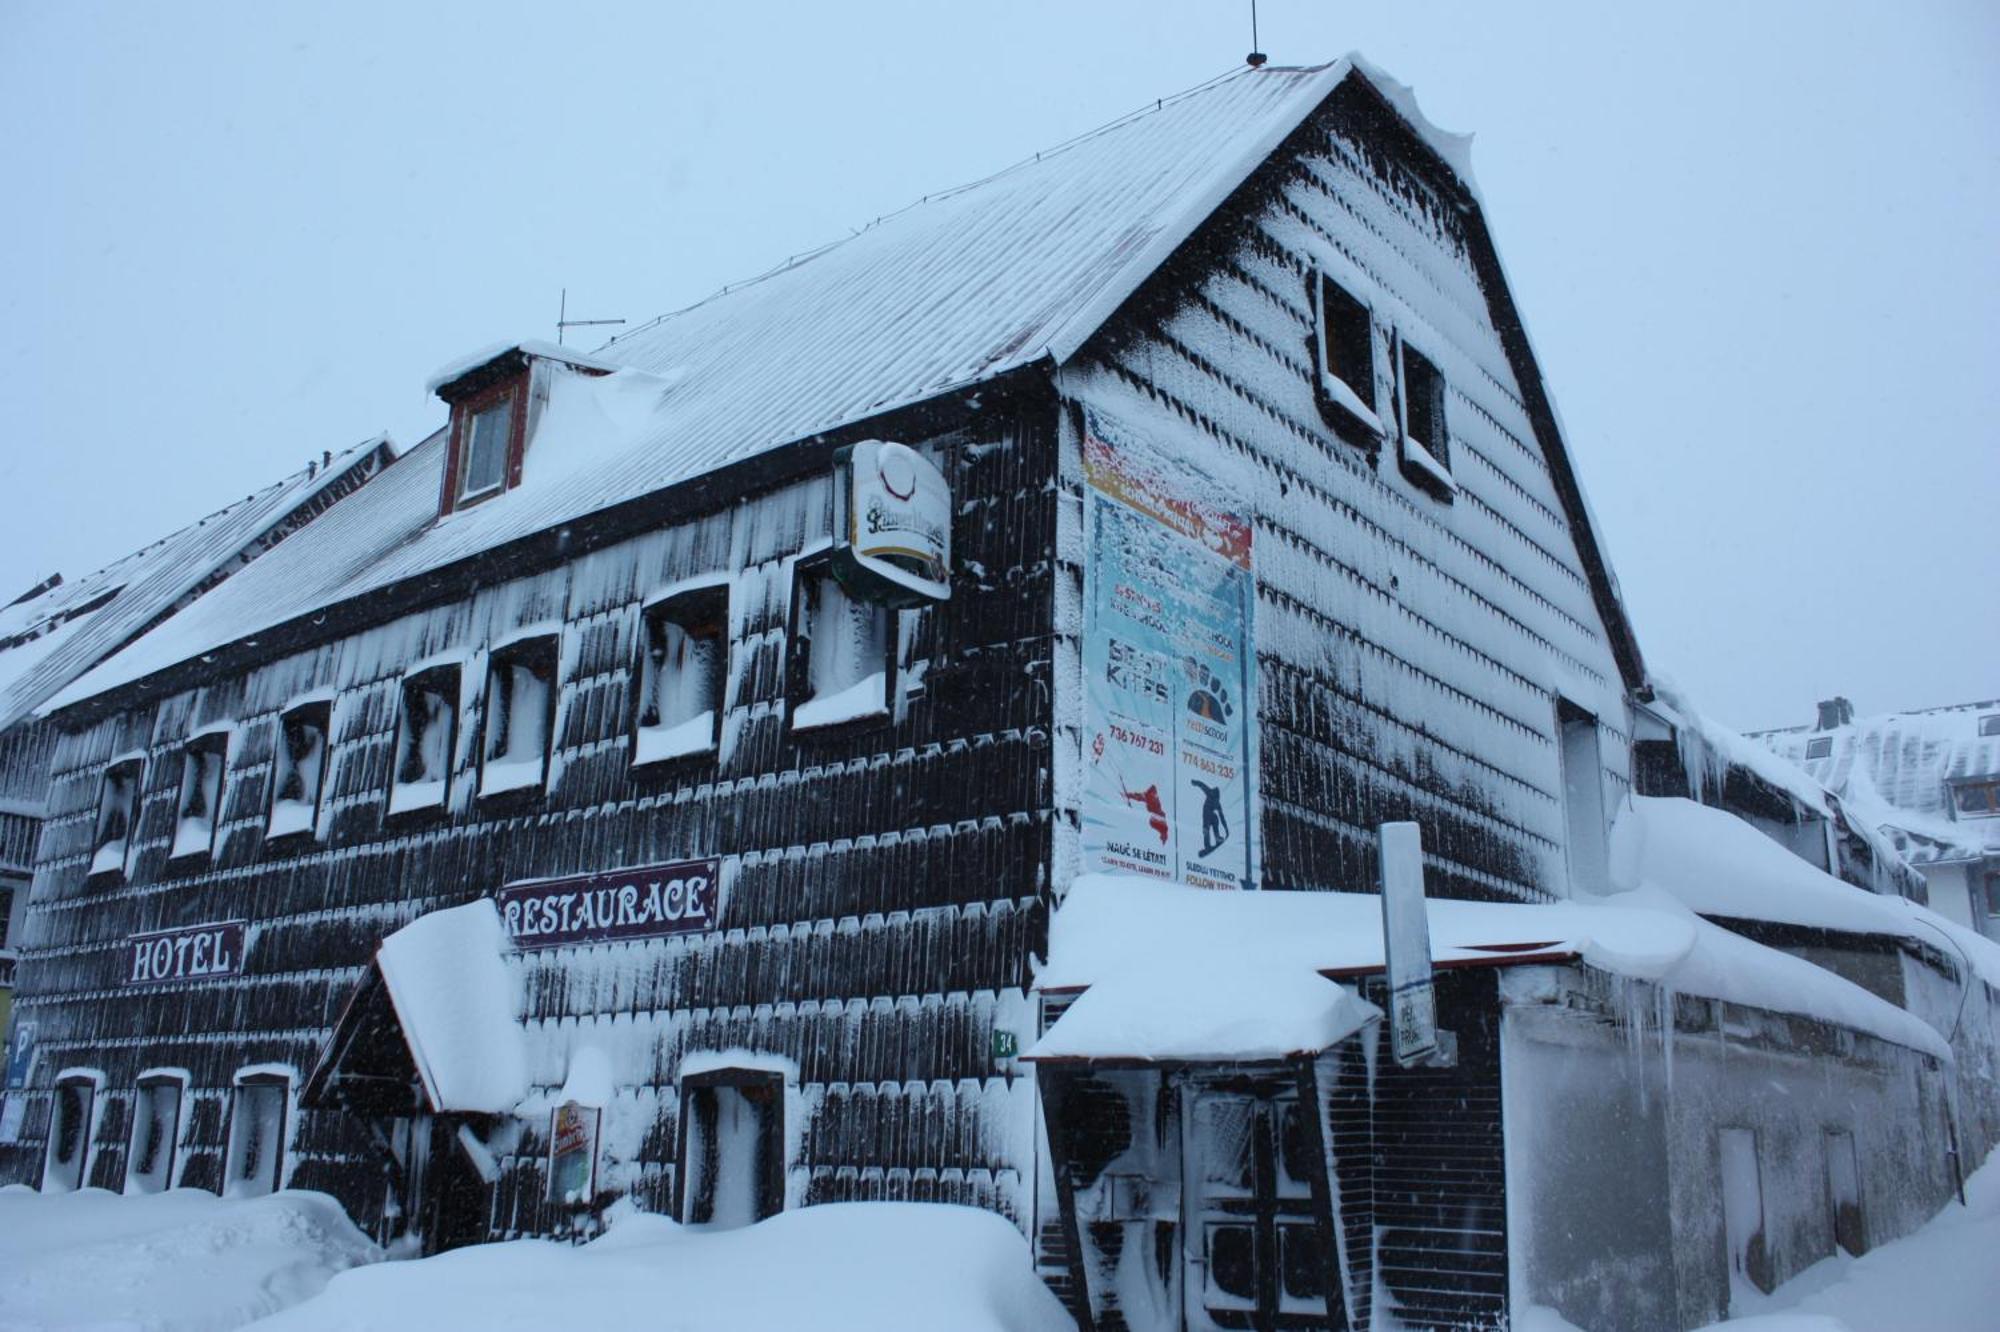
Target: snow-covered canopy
(459, 1004)
(1143, 938)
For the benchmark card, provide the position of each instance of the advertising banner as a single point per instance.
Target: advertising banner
(1169, 669)
(643, 902)
(573, 1153)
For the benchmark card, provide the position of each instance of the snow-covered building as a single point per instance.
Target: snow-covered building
(1929, 781)
(57, 630)
(819, 745)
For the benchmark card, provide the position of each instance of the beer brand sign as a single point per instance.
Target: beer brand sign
(193, 952)
(645, 902)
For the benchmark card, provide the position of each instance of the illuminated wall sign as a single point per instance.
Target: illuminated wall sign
(640, 903)
(892, 521)
(194, 952)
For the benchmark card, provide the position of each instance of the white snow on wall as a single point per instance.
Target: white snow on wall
(459, 1004)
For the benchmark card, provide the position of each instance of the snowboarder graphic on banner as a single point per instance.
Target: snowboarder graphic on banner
(1214, 823)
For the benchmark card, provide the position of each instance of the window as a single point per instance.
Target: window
(156, 1127)
(298, 775)
(1743, 1210)
(1990, 724)
(486, 439)
(117, 815)
(732, 1147)
(1583, 799)
(682, 675)
(1843, 1192)
(1426, 452)
(6, 915)
(256, 1135)
(1819, 747)
(839, 667)
(197, 811)
(520, 712)
(1993, 897)
(1977, 800)
(70, 1124)
(429, 726)
(1344, 338)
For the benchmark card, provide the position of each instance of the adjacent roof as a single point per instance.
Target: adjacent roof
(1896, 770)
(459, 1005)
(49, 639)
(1017, 269)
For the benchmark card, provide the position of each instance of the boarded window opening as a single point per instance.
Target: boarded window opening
(682, 674)
(256, 1136)
(732, 1145)
(425, 735)
(117, 814)
(156, 1126)
(68, 1156)
(299, 769)
(197, 811)
(520, 716)
(840, 662)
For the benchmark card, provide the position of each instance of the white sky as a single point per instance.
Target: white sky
(1756, 246)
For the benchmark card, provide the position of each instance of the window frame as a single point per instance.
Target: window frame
(688, 608)
(283, 765)
(132, 766)
(1427, 462)
(540, 654)
(196, 750)
(446, 680)
(762, 1088)
(246, 1081)
(1818, 747)
(1991, 809)
(811, 572)
(150, 1081)
(1350, 407)
(510, 391)
(91, 1083)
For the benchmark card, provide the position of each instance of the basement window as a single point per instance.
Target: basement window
(256, 1135)
(156, 1127)
(520, 714)
(1819, 747)
(1344, 340)
(1426, 452)
(839, 670)
(67, 1162)
(117, 815)
(299, 769)
(424, 739)
(197, 810)
(682, 674)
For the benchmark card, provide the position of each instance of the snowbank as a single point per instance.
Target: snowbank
(876, 1266)
(181, 1261)
(460, 1005)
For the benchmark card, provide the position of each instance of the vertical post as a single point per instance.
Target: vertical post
(1406, 944)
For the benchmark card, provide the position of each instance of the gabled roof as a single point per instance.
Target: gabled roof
(1897, 769)
(954, 291)
(50, 638)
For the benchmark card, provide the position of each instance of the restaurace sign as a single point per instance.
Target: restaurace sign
(194, 952)
(644, 902)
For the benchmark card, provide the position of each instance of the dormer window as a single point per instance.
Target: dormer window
(1426, 451)
(495, 397)
(488, 435)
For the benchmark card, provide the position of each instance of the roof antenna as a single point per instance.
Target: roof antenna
(1256, 57)
(564, 323)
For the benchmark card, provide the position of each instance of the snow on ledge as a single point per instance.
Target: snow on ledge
(460, 366)
(459, 1004)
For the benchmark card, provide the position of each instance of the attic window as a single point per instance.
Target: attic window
(1819, 747)
(197, 811)
(520, 712)
(839, 670)
(429, 724)
(484, 458)
(682, 675)
(117, 815)
(1344, 343)
(299, 769)
(1426, 453)
(487, 438)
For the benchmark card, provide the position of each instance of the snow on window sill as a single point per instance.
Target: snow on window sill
(500, 776)
(194, 837)
(110, 858)
(405, 797)
(865, 699)
(657, 744)
(1347, 400)
(289, 818)
(1418, 458)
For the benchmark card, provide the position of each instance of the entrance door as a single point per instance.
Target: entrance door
(1253, 1247)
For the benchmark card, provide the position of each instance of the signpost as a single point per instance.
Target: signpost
(644, 902)
(1406, 941)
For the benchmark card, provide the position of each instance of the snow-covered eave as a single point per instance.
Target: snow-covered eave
(460, 366)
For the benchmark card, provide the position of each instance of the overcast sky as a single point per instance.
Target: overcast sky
(1756, 246)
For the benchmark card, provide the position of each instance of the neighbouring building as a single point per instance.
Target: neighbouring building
(57, 630)
(919, 726)
(1928, 780)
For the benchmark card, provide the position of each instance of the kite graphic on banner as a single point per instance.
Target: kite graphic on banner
(1168, 658)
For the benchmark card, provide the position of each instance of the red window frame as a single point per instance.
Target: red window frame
(514, 388)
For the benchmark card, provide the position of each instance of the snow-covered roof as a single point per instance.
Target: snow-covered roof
(50, 639)
(1895, 770)
(459, 1005)
(1121, 930)
(966, 285)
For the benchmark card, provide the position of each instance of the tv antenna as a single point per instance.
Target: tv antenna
(1256, 57)
(564, 323)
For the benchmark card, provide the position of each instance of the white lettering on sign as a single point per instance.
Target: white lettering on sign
(624, 904)
(194, 953)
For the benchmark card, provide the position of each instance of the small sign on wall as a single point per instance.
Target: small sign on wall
(644, 902)
(892, 524)
(573, 1153)
(194, 952)
(1406, 941)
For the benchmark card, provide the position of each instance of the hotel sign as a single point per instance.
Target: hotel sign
(193, 952)
(644, 902)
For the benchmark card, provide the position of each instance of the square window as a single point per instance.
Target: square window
(424, 741)
(1819, 747)
(487, 437)
(839, 670)
(197, 810)
(1990, 724)
(1344, 337)
(683, 671)
(156, 1124)
(520, 714)
(1426, 452)
(298, 775)
(256, 1137)
(117, 815)
(1977, 799)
